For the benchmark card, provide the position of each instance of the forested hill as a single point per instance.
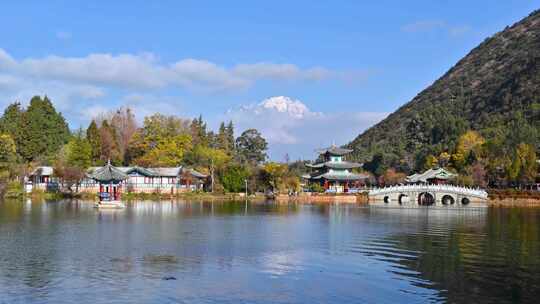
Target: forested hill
(493, 89)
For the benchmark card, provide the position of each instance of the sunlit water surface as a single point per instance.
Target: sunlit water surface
(194, 252)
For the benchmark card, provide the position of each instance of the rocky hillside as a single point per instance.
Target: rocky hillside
(485, 91)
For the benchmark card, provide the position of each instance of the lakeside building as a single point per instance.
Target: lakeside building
(139, 180)
(438, 176)
(334, 173)
(41, 178)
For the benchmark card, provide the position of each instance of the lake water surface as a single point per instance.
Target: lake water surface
(194, 252)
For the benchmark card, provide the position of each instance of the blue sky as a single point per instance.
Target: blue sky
(340, 66)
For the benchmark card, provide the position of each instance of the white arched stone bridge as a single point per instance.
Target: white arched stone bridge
(427, 195)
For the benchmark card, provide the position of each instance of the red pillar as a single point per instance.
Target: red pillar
(325, 184)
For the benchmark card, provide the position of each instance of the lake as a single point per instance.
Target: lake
(196, 252)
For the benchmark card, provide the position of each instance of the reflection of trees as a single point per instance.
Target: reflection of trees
(11, 210)
(495, 262)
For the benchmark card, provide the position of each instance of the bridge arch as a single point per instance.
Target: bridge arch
(403, 198)
(427, 195)
(426, 199)
(447, 199)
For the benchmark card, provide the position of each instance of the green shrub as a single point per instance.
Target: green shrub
(233, 179)
(316, 188)
(14, 190)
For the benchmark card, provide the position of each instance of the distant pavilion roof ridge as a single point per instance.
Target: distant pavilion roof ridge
(335, 165)
(335, 150)
(339, 177)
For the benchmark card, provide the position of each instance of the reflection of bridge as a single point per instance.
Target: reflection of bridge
(427, 195)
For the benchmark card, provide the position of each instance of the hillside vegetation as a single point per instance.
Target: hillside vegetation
(492, 94)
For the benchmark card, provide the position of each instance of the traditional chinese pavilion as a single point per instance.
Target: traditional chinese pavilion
(333, 172)
(110, 182)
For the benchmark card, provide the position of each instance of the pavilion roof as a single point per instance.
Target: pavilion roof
(335, 165)
(338, 177)
(439, 173)
(335, 150)
(107, 174)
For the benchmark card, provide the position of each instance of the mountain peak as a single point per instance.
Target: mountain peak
(284, 104)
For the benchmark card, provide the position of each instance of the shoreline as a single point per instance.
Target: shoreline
(497, 198)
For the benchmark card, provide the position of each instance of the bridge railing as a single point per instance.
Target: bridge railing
(435, 188)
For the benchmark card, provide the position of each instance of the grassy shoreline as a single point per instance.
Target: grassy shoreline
(42, 195)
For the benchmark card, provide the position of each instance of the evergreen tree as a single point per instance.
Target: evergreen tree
(8, 156)
(198, 131)
(94, 139)
(44, 130)
(223, 139)
(79, 152)
(11, 123)
(230, 137)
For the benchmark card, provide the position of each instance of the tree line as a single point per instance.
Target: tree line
(39, 135)
(499, 156)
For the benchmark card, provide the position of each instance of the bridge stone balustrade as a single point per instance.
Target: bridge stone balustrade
(437, 195)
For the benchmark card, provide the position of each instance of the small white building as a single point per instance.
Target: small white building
(41, 178)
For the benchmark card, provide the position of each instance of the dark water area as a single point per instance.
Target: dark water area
(195, 252)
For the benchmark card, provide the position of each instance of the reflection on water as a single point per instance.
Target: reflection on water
(200, 252)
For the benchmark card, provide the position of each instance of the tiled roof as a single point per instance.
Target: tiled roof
(43, 171)
(439, 173)
(140, 170)
(197, 174)
(341, 177)
(108, 173)
(334, 150)
(336, 165)
(153, 172)
(166, 171)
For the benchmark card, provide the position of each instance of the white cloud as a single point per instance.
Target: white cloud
(102, 69)
(9, 82)
(194, 73)
(83, 87)
(291, 127)
(144, 71)
(6, 61)
(88, 92)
